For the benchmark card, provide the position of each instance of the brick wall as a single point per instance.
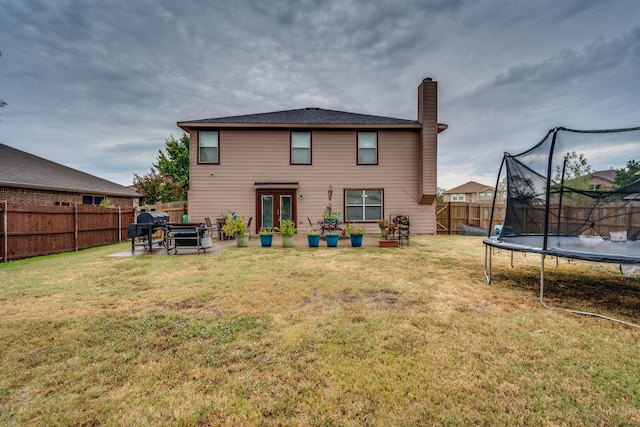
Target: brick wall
(30, 196)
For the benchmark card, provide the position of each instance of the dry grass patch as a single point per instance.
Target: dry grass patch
(313, 337)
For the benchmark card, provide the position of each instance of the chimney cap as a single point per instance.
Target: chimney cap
(428, 79)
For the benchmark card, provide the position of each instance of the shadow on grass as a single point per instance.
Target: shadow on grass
(580, 287)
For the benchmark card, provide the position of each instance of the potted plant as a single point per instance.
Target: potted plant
(383, 224)
(332, 239)
(331, 216)
(234, 226)
(313, 238)
(266, 237)
(356, 235)
(287, 231)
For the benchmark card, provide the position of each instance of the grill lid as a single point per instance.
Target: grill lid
(153, 217)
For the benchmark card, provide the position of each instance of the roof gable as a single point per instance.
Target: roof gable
(21, 169)
(469, 187)
(606, 175)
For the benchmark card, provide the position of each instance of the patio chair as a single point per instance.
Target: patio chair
(221, 234)
(249, 226)
(210, 228)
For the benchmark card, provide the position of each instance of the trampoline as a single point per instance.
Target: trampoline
(574, 195)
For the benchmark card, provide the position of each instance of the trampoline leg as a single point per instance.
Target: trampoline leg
(487, 273)
(542, 281)
(586, 313)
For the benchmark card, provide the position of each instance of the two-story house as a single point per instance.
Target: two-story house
(472, 192)
(281, 165)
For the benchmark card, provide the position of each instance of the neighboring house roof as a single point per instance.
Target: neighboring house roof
(469, 187)
(605, 175)
(305, 117)
(21, 169)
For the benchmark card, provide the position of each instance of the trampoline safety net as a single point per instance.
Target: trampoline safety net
(573, 183)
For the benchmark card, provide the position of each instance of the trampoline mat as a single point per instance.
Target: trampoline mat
(594, 249)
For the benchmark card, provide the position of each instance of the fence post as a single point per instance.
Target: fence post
(5, 231)
(119, 224)
(75, 227)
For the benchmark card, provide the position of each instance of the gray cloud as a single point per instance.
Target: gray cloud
(99, 86)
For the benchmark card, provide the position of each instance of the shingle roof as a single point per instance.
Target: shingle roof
(469, 187)
(606, 175)
(21, 169)
(306, 116)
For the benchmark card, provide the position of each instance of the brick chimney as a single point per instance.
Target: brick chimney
(428, 155)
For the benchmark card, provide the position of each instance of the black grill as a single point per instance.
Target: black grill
(152, 217)
(146, 224)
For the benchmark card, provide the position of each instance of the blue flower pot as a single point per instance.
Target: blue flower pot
(265, 240)
(332, 240)
(356, 240)
(314, 241)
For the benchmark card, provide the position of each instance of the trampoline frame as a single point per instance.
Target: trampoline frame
(552, 244)
(559, 252)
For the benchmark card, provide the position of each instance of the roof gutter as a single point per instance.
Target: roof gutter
(187, 126)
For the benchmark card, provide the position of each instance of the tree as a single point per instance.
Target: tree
(440, 194)
(157, 188)
(168, 178)
(575, 166)
(175, 163)
(522, 190)
(627, 175)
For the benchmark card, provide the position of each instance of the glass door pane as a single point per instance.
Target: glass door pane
(285, 208)
(267, 212)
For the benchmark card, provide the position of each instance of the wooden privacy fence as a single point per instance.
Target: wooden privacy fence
(450, 216)
(175, 210)
(606, 219)
(612, 217)
(29, 230)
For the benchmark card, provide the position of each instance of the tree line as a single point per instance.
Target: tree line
(168, 178)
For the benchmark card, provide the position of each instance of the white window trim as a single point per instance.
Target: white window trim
(364, 205)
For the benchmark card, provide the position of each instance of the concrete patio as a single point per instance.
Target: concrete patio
(300, 241)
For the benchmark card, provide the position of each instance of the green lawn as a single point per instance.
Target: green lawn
(317, 337)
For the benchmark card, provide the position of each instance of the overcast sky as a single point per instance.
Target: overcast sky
(99, 85)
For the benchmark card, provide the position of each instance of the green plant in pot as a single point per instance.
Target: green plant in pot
(383, 224)
(356, 234)
(287, 232)
(331, 216)
(313, 238)
(234, 226)
(266, 237)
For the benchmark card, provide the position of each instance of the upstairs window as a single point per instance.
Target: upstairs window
(367, 148)
(208, 150)
(300, 148)
(457, 197)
